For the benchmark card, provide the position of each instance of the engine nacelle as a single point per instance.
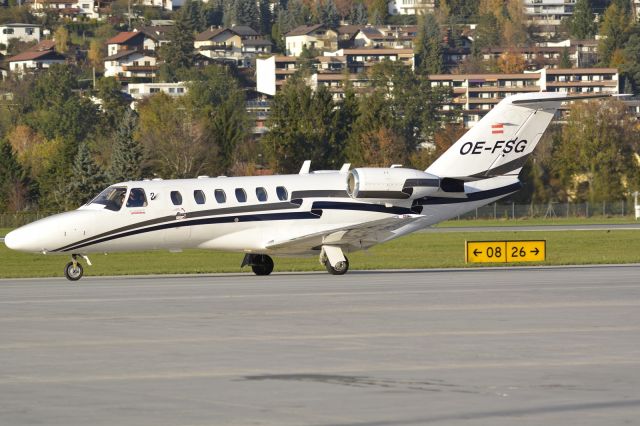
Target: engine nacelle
(391, 183)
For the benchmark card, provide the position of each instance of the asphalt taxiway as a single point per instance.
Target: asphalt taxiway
(526, 346)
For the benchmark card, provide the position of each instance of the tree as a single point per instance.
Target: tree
(61, 36)
(565, 59)
(514, 25)
(192, 16)
(429, 46)
(328, 14)
(178, 53)
(127, 157)
(487, 32)
(175, 141)
(377, 11)
(613, 33)
(582, 23)
(266, 18)
(511, 62)
(14, 186)
(96, 54)
(358, 14)
(301, 127)
(87, 179)
(597, 147)
(246, 13)
(631, 65)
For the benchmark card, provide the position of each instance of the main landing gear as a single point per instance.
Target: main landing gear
(334, 260)
(74, 270)
(261, 264)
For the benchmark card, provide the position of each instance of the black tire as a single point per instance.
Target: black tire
(73, 274)
(340, 269)
(263, 265)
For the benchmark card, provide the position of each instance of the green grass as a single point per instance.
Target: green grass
(597, 220)
(422, 250)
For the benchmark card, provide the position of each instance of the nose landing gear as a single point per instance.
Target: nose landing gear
(261, 264)
(74, 270)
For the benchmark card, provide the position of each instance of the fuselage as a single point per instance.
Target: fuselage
(241, 214)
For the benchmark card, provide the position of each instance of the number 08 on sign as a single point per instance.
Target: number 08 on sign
(505, 251)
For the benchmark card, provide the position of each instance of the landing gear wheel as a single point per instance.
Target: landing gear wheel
(73, 272)
(262, 265)
(341, 268)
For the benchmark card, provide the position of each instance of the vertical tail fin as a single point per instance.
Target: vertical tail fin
(503, 139)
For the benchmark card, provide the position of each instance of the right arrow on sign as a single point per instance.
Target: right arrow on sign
(536, 251)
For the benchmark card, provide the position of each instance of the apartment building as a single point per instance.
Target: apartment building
(476, 94)
(238, 44)
(67, 8)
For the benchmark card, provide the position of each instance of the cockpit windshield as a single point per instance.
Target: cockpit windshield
(111, 198)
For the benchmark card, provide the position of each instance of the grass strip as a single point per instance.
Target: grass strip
(421, 251)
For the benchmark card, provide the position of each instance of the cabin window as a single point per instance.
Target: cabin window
(137, 198)
(198, 195)
(176, 198)
(282, 193)
(241, 196)
(261, 193)
(111, 198)
(221, 197)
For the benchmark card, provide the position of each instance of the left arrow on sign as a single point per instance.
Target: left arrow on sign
(477, 252)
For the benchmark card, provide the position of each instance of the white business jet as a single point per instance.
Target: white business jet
(323, 213)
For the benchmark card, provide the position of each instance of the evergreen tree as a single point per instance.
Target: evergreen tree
(328, 14)
(11, 177)
(213, 12)
(126, 161)
(86, 180)
(582, 23)
(179, 52)
(565, 60)
(429, 46)
(631, 66)
(358, 15)
(266, 18)
(247, 13)
(192, 15)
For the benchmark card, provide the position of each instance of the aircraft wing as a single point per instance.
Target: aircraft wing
(360, 235)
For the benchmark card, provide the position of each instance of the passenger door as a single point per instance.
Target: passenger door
(176, 237)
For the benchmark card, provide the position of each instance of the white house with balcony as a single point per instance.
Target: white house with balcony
(34, 60)
(22, 32)
(129, 65)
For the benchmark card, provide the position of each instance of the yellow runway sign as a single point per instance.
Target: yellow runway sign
(505, 251)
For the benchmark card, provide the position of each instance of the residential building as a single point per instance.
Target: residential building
(155, 36)
(331, 69)
(411, 7)
(389, 37)
(33, 60)
(131, 65)
(318, 37)
(67, 8)
(126, 41)
(142, 90)
(547, 15)
(476, 94)
(162, 4)
(22, 32)
(259, 112)
(239, 44)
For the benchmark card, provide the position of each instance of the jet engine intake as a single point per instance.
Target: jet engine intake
(391, 183)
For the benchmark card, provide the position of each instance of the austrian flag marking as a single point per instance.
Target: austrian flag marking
(497, 129)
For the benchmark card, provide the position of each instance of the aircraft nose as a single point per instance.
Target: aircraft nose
(13, 240)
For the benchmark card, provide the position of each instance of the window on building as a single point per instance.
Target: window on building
(241, 195)
(137, 198)
(221, 197)
(176, 198)
(154, 90)
(261, 193)
(199, 196)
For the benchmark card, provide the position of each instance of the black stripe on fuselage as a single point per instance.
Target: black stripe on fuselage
(315, 214)
(189, 215)
(379, 208)
(320, 193)
(472, 196)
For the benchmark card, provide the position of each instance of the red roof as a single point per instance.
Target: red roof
(30, 56)
(123, 37)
